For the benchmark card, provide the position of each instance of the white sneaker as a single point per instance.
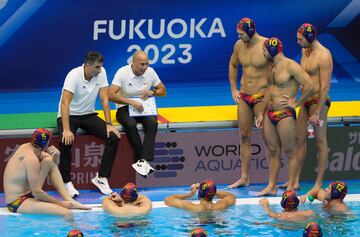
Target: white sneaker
(143, 168)
(140, 167)
(102, 184)
(71, 189)
(148, 168)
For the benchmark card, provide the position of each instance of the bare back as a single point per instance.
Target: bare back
(15, 175)
(205, 206)
(141, 206)
(316, 64)
(255, 67)
(227, 199)
(296, 216)
(282, 83)
(336, 207)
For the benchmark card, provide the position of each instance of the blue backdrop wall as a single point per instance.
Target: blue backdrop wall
(187, 41)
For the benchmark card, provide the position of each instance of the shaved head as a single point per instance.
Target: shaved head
(140, 63)
(140, 55)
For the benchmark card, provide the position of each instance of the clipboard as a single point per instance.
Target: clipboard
(149, 105)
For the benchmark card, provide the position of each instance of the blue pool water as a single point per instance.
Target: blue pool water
(240, 220)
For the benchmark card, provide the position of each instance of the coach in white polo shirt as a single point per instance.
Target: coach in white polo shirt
(137, 80)
(77, 110)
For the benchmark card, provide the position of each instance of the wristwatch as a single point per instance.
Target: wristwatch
(153, 90)
(108, 123)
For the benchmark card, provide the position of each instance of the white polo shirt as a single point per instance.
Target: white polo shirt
(132, 85)
(84, 92)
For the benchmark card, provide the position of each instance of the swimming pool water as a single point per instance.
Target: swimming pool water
(240, 220)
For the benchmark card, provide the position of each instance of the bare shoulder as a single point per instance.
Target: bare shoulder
(290, 64)
(286, 215)
(223, 204)
(339, 207)
(30, 156)
(295, 216)
(107, 202)
(324, 54)
(191, 206)
(31, 161)
(24, 153)
(143, 200)
(219, 206)
(239, 45)
(324, 50)
(262, 39)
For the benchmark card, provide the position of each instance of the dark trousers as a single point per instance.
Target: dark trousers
(141, 150)
(94, 125)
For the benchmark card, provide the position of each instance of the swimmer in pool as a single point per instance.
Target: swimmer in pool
(127, 203)
(332, 197)
(206, 192)
(312, 229)
(289, 202)
(75, 233)
(198, 232)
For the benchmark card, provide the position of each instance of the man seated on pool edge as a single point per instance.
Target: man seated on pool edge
(24, 176)
(289, 202)
(206, 192)
(128, 203)
(332, 197)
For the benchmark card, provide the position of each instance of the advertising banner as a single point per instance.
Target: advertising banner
(42, 40)
(182, 158)
(189, 157)
(344, 155)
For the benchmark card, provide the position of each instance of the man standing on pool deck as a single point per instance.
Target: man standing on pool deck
(25, 174)
(317, 61)
(255, 69)
(279, 111)
(77, 110)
